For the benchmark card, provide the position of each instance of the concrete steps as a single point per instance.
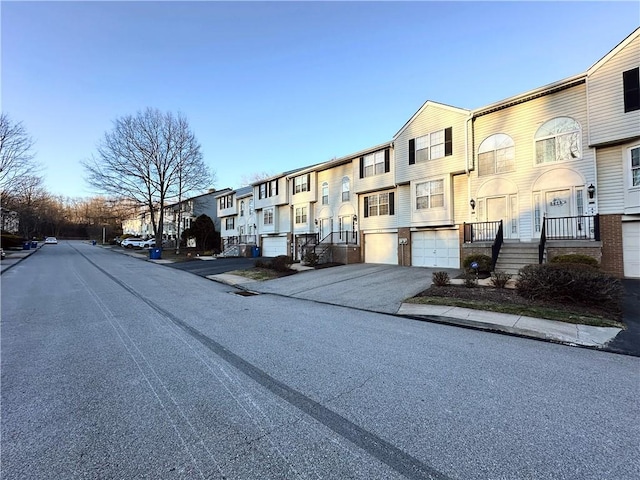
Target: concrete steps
(514, 256)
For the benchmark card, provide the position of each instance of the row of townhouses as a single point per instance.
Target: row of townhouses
(550, 171)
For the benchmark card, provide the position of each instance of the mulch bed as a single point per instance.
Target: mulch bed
(507, 295)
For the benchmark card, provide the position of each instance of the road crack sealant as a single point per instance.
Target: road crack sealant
(372, 444)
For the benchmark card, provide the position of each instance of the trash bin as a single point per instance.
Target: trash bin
(155, 253)
(26, 246)
(93, 242)
(255, 251)
(34, 244)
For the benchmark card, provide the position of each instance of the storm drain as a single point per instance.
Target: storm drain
(244, 293)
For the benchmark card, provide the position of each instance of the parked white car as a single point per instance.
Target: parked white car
(151, 243)
(132, 242)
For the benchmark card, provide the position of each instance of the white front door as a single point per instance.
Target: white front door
(325, 227)
(558, 205)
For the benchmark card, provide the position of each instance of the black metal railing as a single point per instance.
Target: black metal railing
(238, 240)
(481, 231)
(495, 248)
(581, 227)
(543, 241)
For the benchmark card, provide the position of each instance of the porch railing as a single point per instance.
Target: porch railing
(543, 242)
(481, 231)
(238, 240)
(495, 248)
(581, 227)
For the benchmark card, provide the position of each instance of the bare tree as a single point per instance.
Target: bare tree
(16, 167)
(151, 158)
(247, 180)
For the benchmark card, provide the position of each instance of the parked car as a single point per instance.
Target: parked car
(2, 254)
(151, 243)
(51, 240)
(131, 242)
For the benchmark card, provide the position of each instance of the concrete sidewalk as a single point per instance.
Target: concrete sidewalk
(549, 330)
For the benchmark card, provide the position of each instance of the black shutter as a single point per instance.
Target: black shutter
(448, 142)
(412, 151)
(276, 187)
(308, 182)
(631, 86)
(361, 167)
(366, 207)
(387, 162)
(391, 204)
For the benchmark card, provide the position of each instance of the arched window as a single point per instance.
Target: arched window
(242, 208)
(558, 140)
(496, 154)
(345, 189)
(325, 193)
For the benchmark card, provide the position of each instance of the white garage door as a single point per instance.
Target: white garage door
(631, 249)
(274, 246)
(436, 248)
(381, 248)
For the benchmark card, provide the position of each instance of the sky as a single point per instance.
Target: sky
(267, 86)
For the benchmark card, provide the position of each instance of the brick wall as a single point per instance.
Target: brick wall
(611, 237)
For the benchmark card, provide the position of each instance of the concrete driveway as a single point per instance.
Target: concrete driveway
(375, 287)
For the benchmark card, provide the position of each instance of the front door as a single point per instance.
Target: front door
(558, 206)
(325, 227)
(495, 209)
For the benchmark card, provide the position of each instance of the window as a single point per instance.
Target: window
(325, 193)
(251, 207)
(345, 189)
(268, 189)
(378, 204)
(375, 163)
(434, 145)
(226, 201)
(229, 223)
(301, 215)
(631, 86)
(496, 154)
(430, 194)
(558, 140)
(634, 154)
(267, 218)
(301, 184)
(242, 208)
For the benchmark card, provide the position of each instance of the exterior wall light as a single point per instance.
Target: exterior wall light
(472, 202)
(591, 190)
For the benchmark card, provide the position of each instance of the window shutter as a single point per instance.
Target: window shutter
(269, 187)
(277, 187)
(308, 182)
(448, 141)
(391, 203)
(412, 151)
(361, 167)
(366, 207)
(293, 186)
(387, 162)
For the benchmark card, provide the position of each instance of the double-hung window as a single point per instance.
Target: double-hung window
(558, 140)
(267, 216)
(301, 214)
(325, 193)
(634, 157)
(431, 146)
(496, 154)
(379, 204)
(229, 223)
(345, 189)
(301, 184)
(430, 194)
(375, 163)
(242, 208)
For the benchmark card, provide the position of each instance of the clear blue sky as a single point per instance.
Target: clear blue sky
(272, 86)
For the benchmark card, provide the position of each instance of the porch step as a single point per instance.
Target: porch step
(514, 256)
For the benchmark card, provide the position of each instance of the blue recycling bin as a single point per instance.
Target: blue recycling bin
(255, 251)
(93, 242)
(155, 253)
(26, 246)
(34, 244)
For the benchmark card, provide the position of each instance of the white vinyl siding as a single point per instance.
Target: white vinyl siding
(611, 185)
(607, 118)
(461, 207)
(521, 122)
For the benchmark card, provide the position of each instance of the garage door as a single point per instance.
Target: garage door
(436, 248)
(381, 248)
(631, 249)
(274, 246)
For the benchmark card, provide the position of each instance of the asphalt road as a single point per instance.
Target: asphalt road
(114, 367)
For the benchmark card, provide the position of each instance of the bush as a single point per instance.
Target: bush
(311, 258)
(484, 262)
(500, 279)
(9, 240)
(470, 280)
(440, 279)
(570, 283)
(575, 258)
(281, 263)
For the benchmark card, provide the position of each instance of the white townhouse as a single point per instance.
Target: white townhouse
(275, 214)
(431, 174)
(238, 221)
(613, 122)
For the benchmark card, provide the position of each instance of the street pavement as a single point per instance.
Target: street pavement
(383, 289)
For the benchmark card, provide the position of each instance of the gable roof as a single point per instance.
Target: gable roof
(630, 38)
(430, 103)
